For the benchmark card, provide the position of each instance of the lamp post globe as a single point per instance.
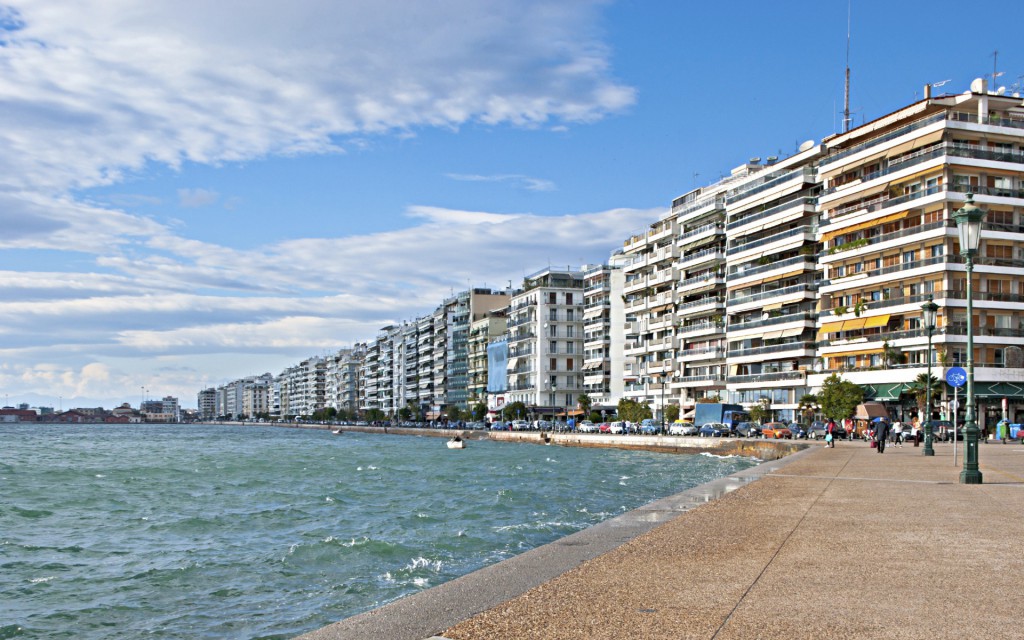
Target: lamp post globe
(928, 313)
(968, 223)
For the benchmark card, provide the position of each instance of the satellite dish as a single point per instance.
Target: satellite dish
(807, 145)
(977, 85)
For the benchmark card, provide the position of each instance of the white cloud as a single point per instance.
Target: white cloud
(199, 81)
(100, 92)
(528, 183)
(190, 198)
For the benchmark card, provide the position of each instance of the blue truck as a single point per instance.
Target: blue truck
(728, 414)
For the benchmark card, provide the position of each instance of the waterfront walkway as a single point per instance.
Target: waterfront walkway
(827, 543)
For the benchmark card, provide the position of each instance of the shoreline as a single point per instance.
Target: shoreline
(421, 615)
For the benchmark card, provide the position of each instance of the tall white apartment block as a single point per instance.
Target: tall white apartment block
(546, 341)
(604, 333)
(889, 243)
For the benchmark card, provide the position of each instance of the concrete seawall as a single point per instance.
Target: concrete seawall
(751, 447)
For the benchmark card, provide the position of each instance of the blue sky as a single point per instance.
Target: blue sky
(192, 192)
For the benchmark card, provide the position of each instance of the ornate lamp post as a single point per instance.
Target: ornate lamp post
(928, 311)
(968, 223)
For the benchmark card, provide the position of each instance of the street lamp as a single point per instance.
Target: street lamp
(968, 223)
(928, 311)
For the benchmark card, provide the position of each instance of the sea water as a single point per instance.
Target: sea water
(177, 531)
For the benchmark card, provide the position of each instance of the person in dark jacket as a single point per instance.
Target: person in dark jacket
(881, 434)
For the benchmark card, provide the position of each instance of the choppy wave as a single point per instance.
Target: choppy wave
(189, 527)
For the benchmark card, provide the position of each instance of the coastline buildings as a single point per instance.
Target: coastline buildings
(545, 341)
(755, 288)
(889, 242)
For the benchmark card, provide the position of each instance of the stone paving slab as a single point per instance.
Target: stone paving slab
(828, 543)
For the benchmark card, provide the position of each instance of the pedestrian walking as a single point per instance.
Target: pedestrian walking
(881, 433)
(830, 431)
(897, 431)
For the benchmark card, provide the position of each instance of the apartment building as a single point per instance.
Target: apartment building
(772, 281)
(206, 401)
(482, 332)
(545, 338)
(889, 243)
(342, 379)
(604, 321)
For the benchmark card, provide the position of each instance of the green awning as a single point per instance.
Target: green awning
(883, 392)
(1013, 390)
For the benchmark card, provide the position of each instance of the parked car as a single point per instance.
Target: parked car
(605, 427)
(798, 430)
(748, 429)
(683, 429)
(520, 425)
(500, 426)
(775, 430)
(617, 427)
(541, 425)
(713, 430)
(817, 430)
(587, 427)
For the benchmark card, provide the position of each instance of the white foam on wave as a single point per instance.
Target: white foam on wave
(39, 580)
(420, 582)
(101, 475)
(713, 455)
(328, 499)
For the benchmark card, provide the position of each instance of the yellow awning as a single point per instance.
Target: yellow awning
(865, 225)
(832, 327)
(877, 321)
(856, 323)
(847, 354)
(771, 307)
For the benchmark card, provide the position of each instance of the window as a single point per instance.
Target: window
(1003, 186)
(909, 256)
(999, 250)
(568, 365)
(569, 331)
(936, 250)
(995, 216)
(552, 314)
(552, 297)
(553, 347)
(568, 315)
(840, 271)
(568, 298)
(933, 216)
(554, 364)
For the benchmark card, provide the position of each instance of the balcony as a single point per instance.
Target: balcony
(796, 236)
(880, 140)
(796, 291)
(706, 256)
(758, 378)
(767, 182)
(700, 233)
(705, 353)
(698, 283)
(797, 208)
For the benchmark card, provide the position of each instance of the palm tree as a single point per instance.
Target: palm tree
(808, 406)
(919, 389)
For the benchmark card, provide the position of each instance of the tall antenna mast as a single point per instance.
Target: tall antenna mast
(846, 94)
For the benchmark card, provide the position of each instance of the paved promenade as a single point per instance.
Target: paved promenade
(827, 543)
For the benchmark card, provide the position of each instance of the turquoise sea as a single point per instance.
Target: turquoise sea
(174, 531)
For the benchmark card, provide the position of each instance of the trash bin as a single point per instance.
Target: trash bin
(1014, 431)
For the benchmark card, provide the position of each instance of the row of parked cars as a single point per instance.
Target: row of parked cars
(772, 430)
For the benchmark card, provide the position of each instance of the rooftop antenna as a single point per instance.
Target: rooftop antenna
(846, 93)
(995, 63)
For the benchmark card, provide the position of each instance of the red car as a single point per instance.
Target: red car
(776, 430)
(605, 427)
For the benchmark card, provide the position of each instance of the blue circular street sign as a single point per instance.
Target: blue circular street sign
(956, 376)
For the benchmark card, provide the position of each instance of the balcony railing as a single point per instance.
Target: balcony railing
(780, 320)
(775, 348)
(736, 274)
(784, 291)
(783, 235)
(892, 135)
(766, 377)
(767, 213)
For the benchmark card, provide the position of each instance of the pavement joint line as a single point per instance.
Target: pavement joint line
(778, 550)
(794, 475)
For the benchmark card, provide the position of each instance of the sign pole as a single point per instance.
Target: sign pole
(955, 377)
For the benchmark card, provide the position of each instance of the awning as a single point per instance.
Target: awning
(847, 354)
(593, 312)
(660, 308)
(869, 410)
(865, 225)
(831, 327)
(689, 414)
(795, 331)
(856, 323)
(592, 365)
(881, 392)
(876, 321)
(771, 307)
(771, 335)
